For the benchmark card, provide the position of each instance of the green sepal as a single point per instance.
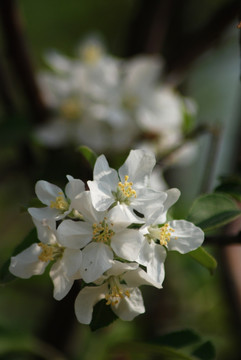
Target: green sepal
(5, 275)
(204, 258)
(88, 154)
(178, 339)
(214, 210)
(205, 351)
(102, 316)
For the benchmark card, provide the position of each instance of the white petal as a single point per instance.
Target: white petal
(74, 187)
(119, 268)
(27, 263)
(72, 260)
(73, 234)
(186, 236)
(83, 204)
(139, 277)
(129, 307)
(46, 227)
(62, 284)
(97, 258)
(172, 197)
(47, 192)
(138, 166)
(127, 244)
(101, 194)
(44, 213)
(104, 173)
(86, 300)
(121, 216)
(155, 267)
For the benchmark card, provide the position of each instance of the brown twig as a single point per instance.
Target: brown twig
(18, 55)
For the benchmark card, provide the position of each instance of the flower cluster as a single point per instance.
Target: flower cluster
(114, 236)
(108, 103)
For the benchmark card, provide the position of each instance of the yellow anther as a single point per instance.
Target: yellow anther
(102, 232)
(165, 234)
(47, 252)
(91, 53)
(126, 188)
(60, 203)
(129, 102)
(70, 109)
(116, 293)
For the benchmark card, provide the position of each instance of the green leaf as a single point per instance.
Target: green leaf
(5, 275)
(102, 316)
(165, 352)
(178, 339)
(206, 351)
(204, 258)
(88, 154)
(213, 210)
(230, 185)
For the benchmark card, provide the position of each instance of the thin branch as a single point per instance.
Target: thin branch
(223, 240)
(196, 43)
(6, 93)
(18, 54)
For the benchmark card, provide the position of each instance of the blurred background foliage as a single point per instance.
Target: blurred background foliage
(200, 43)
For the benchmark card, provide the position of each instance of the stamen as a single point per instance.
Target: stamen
(126, 188)
(71, 109)
(47, 252)
(116, 292)
(60, 203)
(50, 252)
(91, 53)
(165, 234)
(102, 232)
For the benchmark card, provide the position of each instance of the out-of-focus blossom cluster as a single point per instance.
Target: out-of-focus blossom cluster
(113, 104)
(113, 237)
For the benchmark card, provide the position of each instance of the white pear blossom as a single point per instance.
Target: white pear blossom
(160, 236)
(59, 204)
(129, 186)
(119, 287)
(34, 260)
(101, 236)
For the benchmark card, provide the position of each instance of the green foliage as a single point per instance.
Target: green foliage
(230, 185)
(214, 210)
(168, 347)
(204, 258)
(88, 154)
(5, 275)
(14, 129)
(102, 316)
(205, 351)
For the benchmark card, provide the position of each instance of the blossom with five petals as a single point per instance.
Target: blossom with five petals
(119, 286)
(101, 236)
(34, 259)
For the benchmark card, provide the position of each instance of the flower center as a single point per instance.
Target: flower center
(162, 234)
(129, 102)
(116, 292)
(60, 203)
(125, 191)
(49, 252)
(102, 232)
(71, 109)
(91, 54)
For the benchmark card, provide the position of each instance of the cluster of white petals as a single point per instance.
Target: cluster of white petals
(113, 237)
(109, 103)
